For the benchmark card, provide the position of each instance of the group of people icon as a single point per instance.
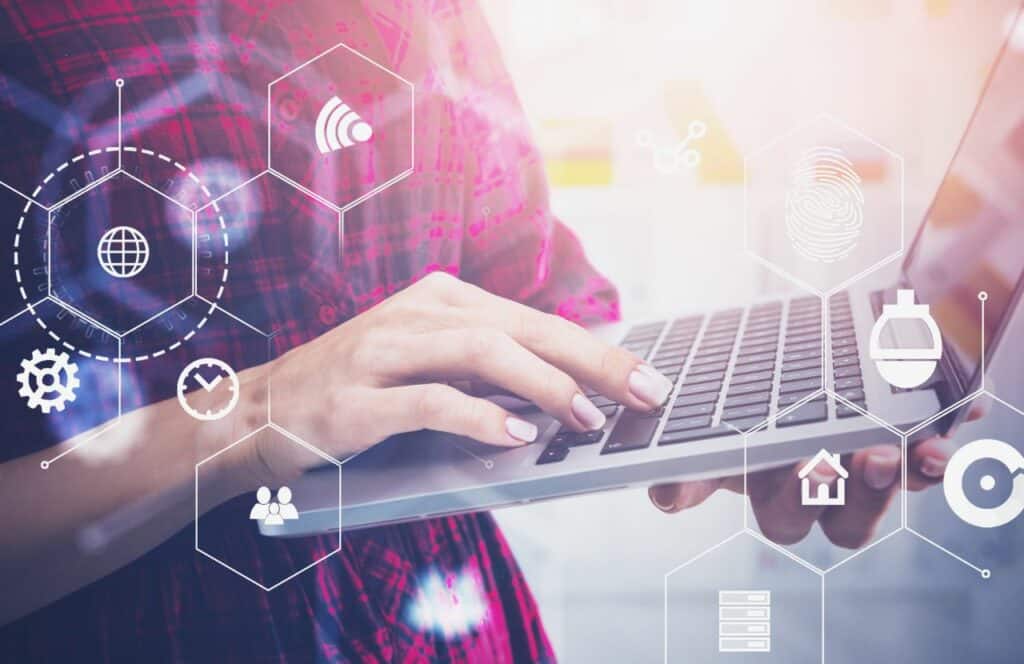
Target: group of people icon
(273, 512)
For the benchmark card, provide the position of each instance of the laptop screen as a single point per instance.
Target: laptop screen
(972, 238)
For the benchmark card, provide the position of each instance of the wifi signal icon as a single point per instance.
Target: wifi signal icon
(338, 126)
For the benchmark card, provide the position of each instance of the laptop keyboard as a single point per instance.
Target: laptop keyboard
(732, 369)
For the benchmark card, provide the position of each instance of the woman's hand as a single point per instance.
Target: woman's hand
(874, 480)
(390, 370)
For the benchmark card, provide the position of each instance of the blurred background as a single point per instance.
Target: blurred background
(606, 85)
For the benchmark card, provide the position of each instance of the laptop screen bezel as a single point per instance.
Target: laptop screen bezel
(966, 380)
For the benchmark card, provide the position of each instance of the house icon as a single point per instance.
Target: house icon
(823, 497)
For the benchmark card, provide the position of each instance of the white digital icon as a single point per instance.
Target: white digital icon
(123, 252)
(338, 126)
(671, 159)
(823, 496)
(744, 621)
(273, 512)
(218, 388)
(905, 368)
(48, 380)
(824, 205)
(984, 483)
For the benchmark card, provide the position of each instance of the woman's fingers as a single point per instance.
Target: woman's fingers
(928, 460)
(491, 355)
(874, 478)
(444, 408)
(775, 496)
(613, 371)
(678, 496)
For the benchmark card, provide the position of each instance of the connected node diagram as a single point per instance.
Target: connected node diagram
(124, 253)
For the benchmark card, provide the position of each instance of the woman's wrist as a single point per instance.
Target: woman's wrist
(240, 448)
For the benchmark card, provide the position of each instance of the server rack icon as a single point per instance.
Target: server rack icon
(744, 621)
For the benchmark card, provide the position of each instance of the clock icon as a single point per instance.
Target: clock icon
(217, 391)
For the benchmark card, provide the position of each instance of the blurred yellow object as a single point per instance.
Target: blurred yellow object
(720, 160)
(577, 151)
(937, 8)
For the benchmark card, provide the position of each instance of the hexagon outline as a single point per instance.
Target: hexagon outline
(103, 428)
(984, 572)
(412, 127)
(49, 255)
(785, 273)
(757, 537)
(903, 477)
(214, 203)
(84, 190)
(295, 439)
(23, 195)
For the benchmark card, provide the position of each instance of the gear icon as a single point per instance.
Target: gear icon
(48, 380)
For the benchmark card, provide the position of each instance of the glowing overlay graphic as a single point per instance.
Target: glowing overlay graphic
(338, 126)
(824, 205)
(123, 252)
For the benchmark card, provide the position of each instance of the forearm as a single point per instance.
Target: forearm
(118, 496)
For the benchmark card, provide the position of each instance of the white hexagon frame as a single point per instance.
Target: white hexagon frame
(298, 441)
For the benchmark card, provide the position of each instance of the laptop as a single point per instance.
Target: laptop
(759, 369)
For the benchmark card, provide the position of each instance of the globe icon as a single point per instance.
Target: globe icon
(123, 252)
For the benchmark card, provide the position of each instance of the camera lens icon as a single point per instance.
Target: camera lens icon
(984, 483)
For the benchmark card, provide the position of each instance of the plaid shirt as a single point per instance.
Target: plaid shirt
(475, 205)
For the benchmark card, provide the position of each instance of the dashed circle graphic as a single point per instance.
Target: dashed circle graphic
(824, 205)
(30, 306)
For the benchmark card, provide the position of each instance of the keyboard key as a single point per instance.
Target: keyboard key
(848, 383)
(796, 340)
(791, 398)
(570, 438)
(748, 399)
(845, 361)
(704, 360)
(704, 377)
(700, 388)
(842, 410)
(601, 400)
(692, 399)
(844, 352)
(800, 355)
(802, 364)
(847, 371)
(751, 358)
(810, 384)
(747, 353)
(684, 423)
(744, 412)
(803, 374)
(760, 376)
(750, 388)
(695, 434)
(552, 454)
(809, 412)
(633, 431)
(690, 411)
(717, 367)
(753, 367)
(852, 394)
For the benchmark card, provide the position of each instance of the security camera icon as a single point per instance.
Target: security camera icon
(905, 368)
(984, 483)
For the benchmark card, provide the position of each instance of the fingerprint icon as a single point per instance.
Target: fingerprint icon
(338, 126)
(824, 205)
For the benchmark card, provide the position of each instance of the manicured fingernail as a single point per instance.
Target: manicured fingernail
(662, 498)
(820, 476)
(521, 429)
(649, 386)
(880, 471)
(587, 413)
(932, 467)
